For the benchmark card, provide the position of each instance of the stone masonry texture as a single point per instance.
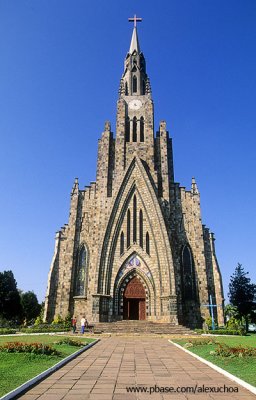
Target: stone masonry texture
(135, 221)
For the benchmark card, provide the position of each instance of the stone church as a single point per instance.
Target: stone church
(134, 247)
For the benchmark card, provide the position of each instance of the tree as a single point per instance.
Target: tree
(242, 293)
(10, 305)
(30, 305)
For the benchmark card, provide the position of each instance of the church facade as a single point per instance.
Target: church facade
(134, 246)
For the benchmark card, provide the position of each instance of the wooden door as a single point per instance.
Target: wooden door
(134, 300)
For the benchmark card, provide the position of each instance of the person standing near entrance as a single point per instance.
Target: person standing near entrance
(74, 324)
(83, 321)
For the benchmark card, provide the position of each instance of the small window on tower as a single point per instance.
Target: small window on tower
(126, 89)
(134, 84)
(127, 129)
(142, 129)
(134, 129)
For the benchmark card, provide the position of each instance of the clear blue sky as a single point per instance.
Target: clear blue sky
(61, 62)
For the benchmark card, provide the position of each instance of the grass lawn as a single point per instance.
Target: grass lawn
(17, 368)
(244, 368)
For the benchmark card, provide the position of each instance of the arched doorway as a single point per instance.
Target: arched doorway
(134, 300)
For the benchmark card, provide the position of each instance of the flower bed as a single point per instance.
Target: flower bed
(32, 348)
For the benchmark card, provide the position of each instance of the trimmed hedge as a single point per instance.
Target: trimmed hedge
(44, 328)
(7, 331)
(71, 342)
(236, 332)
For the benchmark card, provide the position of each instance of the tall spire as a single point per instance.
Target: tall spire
(134, 81)
(134, 42)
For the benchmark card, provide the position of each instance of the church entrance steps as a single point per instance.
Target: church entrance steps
(141, 327)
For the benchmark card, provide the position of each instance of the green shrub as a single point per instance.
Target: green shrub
(224, 350)
(234, 324)
(58, 320)
(39, 320)
(33, 348)
(200, 342)
(208, 322)
(200, 331)
(71, 342)
(8, 323)
(7, 331)
(68, 321)
(238, 332)
(44, 328)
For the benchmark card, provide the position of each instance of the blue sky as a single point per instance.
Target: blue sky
(61, 62)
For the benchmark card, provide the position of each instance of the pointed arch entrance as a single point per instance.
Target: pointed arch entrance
(134, 300)
(133, 291)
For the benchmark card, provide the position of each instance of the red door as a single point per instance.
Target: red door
(134, 300)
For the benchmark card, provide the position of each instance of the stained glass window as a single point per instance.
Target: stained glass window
(81, 272)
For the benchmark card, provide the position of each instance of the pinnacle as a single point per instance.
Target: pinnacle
(75, 188)
(134, 46)
(194, 188)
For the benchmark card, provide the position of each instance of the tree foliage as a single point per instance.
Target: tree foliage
(30, 305)
(242, 292)
(10, 304)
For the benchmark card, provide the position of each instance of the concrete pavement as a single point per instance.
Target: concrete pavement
(115, 363)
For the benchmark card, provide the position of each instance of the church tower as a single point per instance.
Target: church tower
(135, 247)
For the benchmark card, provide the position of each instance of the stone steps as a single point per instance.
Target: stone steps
(141, 327)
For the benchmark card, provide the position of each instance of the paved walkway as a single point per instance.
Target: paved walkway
(104, 371)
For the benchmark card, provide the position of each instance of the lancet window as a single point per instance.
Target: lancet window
(134, 129)
(147, 244)
(128, 228)
(142, 129)
(134, 84)
(80, 278)
(188, 274)
(127, 129)
(134, 219)
(141, 228)
(122, 243)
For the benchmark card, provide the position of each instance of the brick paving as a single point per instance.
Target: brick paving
(104, 371)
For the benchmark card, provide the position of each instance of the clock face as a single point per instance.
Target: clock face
(135, 104)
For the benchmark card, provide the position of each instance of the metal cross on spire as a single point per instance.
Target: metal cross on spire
(135, 19)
